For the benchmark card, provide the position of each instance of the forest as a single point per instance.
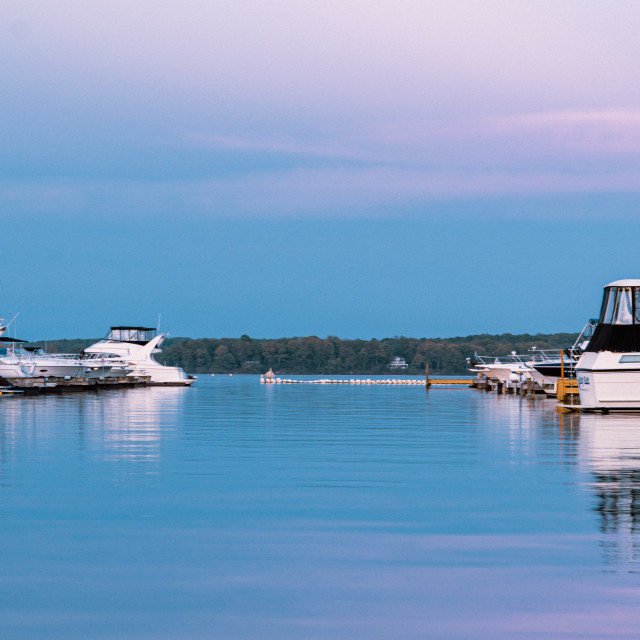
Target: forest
(332, 355)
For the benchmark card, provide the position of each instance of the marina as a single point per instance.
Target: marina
(229, 495)
(124, 359)
(599, 372)
(325, 330)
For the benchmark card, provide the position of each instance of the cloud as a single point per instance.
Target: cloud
(332, 192)
(280, 145)
(607, 131)
(316, 108)
(473, 143)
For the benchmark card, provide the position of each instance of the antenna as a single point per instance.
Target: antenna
(13, 319)
(11, 322)
(159, 316)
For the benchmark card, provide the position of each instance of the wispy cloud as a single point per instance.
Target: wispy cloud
(609, 131)
(342, 192)
(279, 145)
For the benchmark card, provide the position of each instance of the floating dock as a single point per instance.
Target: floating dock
(32, 386)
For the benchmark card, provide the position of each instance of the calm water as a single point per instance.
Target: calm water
(239, 510)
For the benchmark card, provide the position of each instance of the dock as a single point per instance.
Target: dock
(32, 386)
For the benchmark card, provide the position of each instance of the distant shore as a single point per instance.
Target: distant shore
(332, 355)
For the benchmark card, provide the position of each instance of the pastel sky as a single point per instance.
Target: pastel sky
(360, 169)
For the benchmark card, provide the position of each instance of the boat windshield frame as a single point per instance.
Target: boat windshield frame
(620, 306)
(135, 335)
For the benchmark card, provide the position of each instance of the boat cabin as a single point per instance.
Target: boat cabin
(618, 328)
(136, 335)
(8, 345)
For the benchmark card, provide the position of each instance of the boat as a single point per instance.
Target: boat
(548, 366)
(10, 367)
(608, 372)
(130, 350)
(17, 361)
(507, 371)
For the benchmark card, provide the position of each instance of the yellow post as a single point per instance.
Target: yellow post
(562, 393)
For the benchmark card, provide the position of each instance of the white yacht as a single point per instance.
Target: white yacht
(129, 351)
(9, 366)
(608, 372)
(17, 361)
(506, 370)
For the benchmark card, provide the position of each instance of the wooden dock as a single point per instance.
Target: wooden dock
(31, 386)
(440, 382)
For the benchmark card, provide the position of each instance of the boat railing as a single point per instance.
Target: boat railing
(546, 355)
(492, 360)
(55, 356)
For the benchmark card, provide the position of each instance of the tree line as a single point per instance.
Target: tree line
(331, 355)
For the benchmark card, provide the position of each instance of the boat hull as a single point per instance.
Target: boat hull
(607, 382)
(547, 374)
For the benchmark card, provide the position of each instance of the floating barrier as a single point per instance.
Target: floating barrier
(440, 382)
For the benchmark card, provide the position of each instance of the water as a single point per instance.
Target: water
(235, 510)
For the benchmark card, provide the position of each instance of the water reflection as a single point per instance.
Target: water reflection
(124, 426)
(610, 450)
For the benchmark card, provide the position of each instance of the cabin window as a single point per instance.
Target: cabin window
(621, 305)
(630, 358)
(608, 304)
(624, 307)
(636, 294)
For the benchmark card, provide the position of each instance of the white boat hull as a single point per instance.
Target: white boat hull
(605, 383)
(163, 376)
(12, 370)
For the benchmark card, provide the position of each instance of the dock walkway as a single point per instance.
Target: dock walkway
(52, 384)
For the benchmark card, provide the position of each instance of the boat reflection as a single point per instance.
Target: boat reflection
(124, 426)
(609, 449)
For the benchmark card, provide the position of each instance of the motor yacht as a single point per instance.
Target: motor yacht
(608, 372)
(130, 351)
(9, 366)
(17, 361)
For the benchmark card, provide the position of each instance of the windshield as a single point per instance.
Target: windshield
(621, 305)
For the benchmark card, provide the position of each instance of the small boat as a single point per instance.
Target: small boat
(608, 372)
(505, 370)
(549, 366)
(129, 351)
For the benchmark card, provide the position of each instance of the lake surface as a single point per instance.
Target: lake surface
(235, 510)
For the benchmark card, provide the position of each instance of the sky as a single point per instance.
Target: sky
(289, 168)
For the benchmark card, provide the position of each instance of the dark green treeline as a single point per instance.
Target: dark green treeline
(314, 355)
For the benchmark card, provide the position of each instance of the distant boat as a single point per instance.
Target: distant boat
(398, 363)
